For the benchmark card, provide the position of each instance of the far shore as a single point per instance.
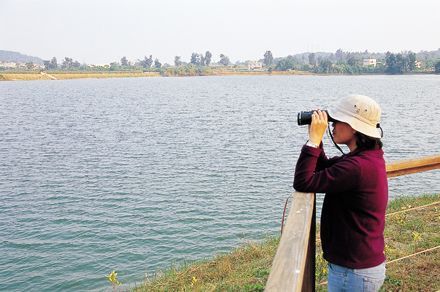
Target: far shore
(15, 76)
(21, 76)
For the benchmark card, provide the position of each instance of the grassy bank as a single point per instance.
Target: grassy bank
(72, 75)
(247, 267)
(17, 76)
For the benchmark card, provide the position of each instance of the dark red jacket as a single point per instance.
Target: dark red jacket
(353, 212)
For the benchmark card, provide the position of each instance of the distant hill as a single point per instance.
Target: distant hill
(9, 56)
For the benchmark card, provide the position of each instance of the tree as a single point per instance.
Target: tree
(285, 64)
(114, 66)
(352, 61)
(157, 64)
(67, 63)
(325, 66)
(195, 59)
(268, 58)
(401, 64)
(46, 64)
(29, 65)
(208, 57)
(50, 64)
(53, 63)
(147, 62)
(437, 67)
(411, 61)
(177, 61)
(390, 63)
(224, 60)
(312, 59)
(202, 60)
(124, 62)
(339, 56)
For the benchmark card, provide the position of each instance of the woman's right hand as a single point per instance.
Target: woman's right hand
(318, 126)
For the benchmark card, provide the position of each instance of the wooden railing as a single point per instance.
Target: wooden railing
(413, 166)
(293, 268)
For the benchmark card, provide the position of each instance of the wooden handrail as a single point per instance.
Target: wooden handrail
(413, 166)
(293, 268)
(289, 265)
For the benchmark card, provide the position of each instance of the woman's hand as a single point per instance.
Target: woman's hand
(318, 126)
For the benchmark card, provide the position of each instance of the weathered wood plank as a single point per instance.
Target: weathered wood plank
(413, 166)
(288, 267)
(308, 284)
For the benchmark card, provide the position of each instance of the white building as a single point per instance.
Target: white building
(255, 65)
(8, 65)
(369, 62)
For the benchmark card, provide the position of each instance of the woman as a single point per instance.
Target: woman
(356, 193)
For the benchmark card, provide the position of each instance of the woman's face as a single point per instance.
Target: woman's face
(343, 133)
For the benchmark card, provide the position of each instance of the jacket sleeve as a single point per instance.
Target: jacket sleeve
(339, 176)
(324, 161)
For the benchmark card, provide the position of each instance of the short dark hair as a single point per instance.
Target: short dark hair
(367, 142)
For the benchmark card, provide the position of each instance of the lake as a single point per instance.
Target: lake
(136, 175)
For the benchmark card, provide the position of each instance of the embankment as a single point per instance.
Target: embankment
(17, 76)
(247, 268)
(72, 75)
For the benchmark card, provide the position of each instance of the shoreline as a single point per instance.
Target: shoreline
(25, 76)
(43, 75)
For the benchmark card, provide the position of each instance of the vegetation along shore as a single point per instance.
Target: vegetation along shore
(15, 66)
(409, 230)
(20, 76)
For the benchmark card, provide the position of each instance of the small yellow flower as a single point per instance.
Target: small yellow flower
(113, 278)
(388, 250)
(193, 281)
(416, 236)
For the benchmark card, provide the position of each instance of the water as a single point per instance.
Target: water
(139, 174)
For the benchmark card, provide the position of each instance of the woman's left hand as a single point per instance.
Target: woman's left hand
(318, 126)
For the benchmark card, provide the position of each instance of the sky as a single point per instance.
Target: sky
(103, 31)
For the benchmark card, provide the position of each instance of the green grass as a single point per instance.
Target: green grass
(247, 268)
(244, 269)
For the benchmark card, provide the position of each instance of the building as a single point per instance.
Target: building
(369, 63)
(254, 65)
(8, 65)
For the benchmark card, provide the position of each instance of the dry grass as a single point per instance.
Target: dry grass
(78, 75)
(73, 75)
(22, 76)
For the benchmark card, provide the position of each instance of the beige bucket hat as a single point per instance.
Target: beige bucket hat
(361, 112)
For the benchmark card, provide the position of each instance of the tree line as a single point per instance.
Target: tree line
(339, 62)
(342, 62)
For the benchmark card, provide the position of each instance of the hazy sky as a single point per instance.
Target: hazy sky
(102, 31)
